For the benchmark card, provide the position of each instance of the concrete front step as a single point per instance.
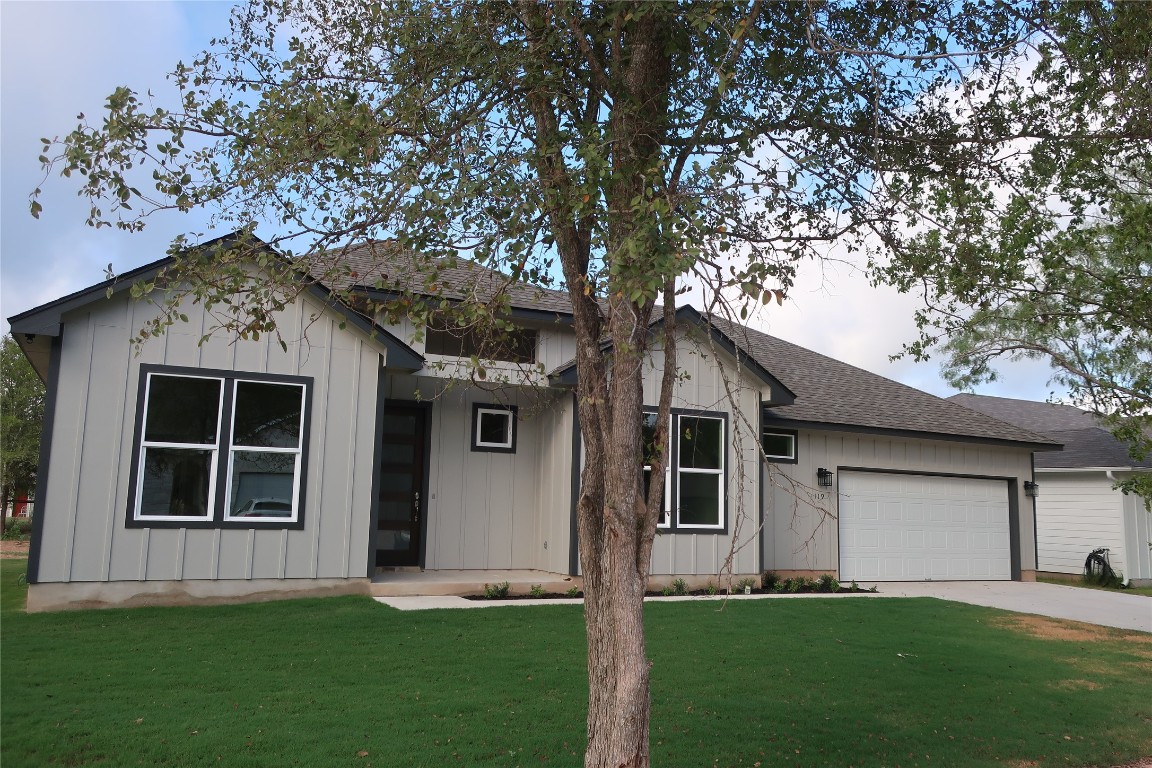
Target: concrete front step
(409, 583)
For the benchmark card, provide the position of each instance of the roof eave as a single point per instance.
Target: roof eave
(828, 426)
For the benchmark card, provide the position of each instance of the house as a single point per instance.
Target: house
(1078, 509)
(236, 469)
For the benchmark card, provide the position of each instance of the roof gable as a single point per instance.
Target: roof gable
(47, 319)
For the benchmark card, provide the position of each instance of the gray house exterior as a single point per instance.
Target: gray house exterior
(239, 470)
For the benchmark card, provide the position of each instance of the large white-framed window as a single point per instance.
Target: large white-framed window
(219, 449)
(700, 469)
(695, 498)
(179, 448)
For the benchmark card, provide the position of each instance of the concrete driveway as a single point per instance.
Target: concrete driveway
(1095, 606)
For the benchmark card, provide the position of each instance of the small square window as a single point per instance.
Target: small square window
(779, 445)
(494, 428)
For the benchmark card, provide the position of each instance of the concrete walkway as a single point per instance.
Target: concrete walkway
(1094, 606)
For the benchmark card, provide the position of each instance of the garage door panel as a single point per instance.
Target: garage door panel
(911, 527)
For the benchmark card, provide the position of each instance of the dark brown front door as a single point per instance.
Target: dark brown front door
(403, 441)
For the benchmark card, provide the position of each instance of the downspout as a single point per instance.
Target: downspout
(1123, 532)
(1035, 528)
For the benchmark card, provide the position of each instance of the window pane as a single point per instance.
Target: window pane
(701, 442)
(648, 436)
(779, 445)
(267, 415)
(517, 345)
(699, 499)
(262, 484)
(494, 428)
(182, 410)
(176, 482)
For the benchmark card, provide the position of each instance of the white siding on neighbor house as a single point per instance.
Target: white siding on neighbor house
(1138, 538)
(484, 508)
(801, 519)
(1076, 513)
(701, 387)
(84, 536)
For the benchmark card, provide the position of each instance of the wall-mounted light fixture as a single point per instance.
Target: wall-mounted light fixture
(824, 477)
(1031, 489)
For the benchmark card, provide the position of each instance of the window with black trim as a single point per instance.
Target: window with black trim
(219, 448)
(517, 345)
(779, 445)
(493, 428)
(696, 479)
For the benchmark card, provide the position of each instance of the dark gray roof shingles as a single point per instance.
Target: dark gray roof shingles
(1086, 443)
(828, 391)
(381, 265)
(831, 392)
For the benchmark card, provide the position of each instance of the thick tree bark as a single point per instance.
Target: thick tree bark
(615, 526)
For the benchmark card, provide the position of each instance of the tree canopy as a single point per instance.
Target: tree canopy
(1046, 251)
(21, 419)
(616, 150)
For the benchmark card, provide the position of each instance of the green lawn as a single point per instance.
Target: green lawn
(348, 682)
(1080, 583)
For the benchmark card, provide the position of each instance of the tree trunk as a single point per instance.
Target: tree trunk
(615, 526)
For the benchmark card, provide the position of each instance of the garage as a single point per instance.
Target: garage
(912, 527)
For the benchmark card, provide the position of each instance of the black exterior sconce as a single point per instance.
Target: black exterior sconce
(1031, 489)
(824, 477)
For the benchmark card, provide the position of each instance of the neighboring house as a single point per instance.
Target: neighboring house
(1078, 509)
(235, 469)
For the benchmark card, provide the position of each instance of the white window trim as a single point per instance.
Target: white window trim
(508, 445)
(774, 433)
(718, 473)
(234, 448)
(145, 444)
(215, 516)
(671, 489)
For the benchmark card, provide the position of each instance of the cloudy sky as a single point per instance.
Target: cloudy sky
(58, 59)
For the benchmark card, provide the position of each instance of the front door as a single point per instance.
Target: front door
(403, 442)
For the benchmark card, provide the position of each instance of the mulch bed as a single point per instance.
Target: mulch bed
(11, 549)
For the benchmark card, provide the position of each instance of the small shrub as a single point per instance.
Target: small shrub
(711, 589)
(769, 580)
(798, 584)
(854, 587)
(679, 587)
(496, 591)
(573, 592)
(747, 581)
(827, 583)
(536, 591)
(667, 591)
(17, 528)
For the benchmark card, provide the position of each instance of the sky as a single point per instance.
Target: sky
(59, 59)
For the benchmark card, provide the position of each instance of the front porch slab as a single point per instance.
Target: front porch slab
(415, 583)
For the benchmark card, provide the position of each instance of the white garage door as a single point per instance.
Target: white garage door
(923, 527)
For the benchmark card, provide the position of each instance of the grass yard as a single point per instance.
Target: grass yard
(778, 682)
(1085, 585)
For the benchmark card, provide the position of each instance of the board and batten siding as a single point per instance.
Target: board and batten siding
(84, 533)
(801, 529)
(485, 509)
(701, 386)
(1076, 513)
